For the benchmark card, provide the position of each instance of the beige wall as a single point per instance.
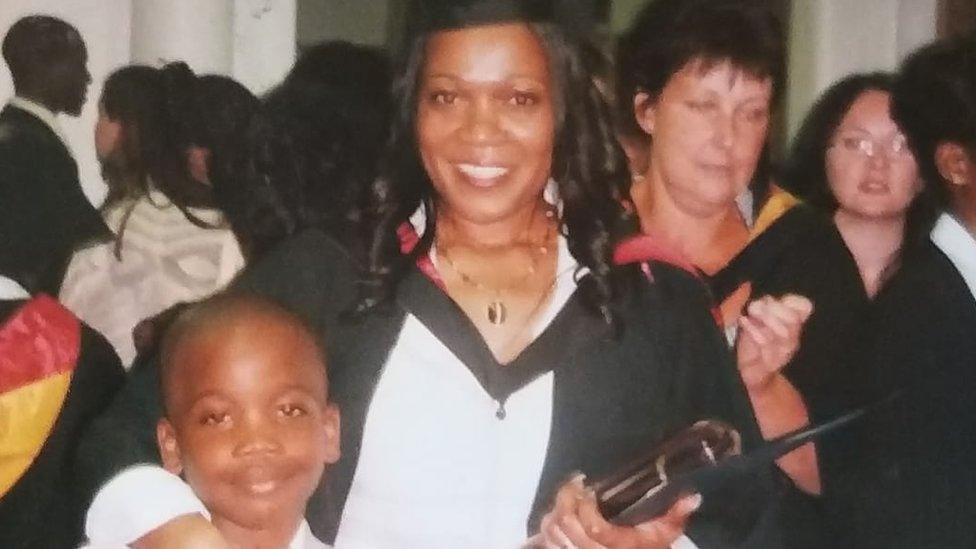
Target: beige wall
(833, 38)
(359, 21)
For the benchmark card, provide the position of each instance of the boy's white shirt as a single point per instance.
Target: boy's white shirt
(10, 289)
(116, 518)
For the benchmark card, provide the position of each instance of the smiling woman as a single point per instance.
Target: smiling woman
(485, 344)
(485, 128)
(485, 121)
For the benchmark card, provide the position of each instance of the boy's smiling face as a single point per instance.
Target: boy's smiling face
(248, 423)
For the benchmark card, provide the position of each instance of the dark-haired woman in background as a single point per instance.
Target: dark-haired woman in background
(905, 477)
(496, 347)
(852, 161)
(307, 159)
(171, 243)
(701, 78)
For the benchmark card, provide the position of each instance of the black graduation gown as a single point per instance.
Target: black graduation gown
(906, 476)
(612, 397)
(42, 510)
(44, 215)
(803, 253)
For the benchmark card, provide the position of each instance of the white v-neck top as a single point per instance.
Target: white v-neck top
(437, 467)
(10, 289)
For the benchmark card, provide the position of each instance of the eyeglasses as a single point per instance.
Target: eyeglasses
(862, 145)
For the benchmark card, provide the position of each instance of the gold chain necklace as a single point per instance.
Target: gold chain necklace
(497, 311)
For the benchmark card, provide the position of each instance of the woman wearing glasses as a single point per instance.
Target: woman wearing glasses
(851, 160)
(904, 477)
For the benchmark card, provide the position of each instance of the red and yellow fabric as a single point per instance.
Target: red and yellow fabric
(39, 348)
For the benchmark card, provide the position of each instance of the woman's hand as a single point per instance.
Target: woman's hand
(575, 522)
(184, 532)
(769, 337)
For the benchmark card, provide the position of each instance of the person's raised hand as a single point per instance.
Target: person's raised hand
(769, 336)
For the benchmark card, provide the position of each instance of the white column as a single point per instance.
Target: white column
(264, 42)
(830, 39)
(199, 32)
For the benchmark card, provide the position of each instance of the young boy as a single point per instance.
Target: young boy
(247, 421)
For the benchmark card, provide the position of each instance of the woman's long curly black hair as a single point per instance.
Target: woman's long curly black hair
(588, 166)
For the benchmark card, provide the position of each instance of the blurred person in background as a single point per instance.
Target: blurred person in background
(39, 184)
(154, 138)
(307, 159)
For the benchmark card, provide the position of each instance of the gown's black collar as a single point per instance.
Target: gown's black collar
(571, 329)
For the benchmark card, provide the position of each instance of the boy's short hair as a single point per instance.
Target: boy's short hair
(194, 318)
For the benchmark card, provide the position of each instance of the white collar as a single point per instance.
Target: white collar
(745, 203)
(303, 538)
(959, 245)
(10, 289)
(43, 113)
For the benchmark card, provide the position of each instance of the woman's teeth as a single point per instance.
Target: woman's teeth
(482, 172)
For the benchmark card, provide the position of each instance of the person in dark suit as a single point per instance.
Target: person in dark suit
(38, 176)
(56, 375)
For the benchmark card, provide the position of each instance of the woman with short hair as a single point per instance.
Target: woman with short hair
(700, 79)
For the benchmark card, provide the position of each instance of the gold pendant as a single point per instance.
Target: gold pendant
(497, 312)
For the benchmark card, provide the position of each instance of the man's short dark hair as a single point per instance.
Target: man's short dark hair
(35, 42)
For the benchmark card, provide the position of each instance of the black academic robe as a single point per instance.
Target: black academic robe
(614, 396)
(44, 215)
(803, 253)
(42, 510)
(905, 477)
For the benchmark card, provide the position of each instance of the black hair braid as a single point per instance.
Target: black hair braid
(393, 196)
(173, 178)
(591, 173)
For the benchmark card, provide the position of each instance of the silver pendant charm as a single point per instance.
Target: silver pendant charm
(497, 312)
